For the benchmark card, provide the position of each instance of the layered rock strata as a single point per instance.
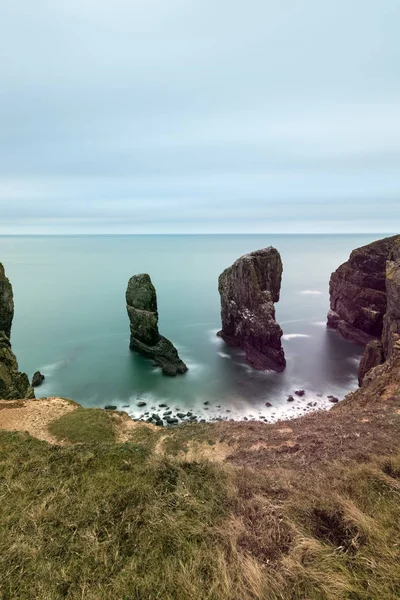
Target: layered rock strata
(13, 384)
(358, 292)
(365, 300)
(248, 290)
(141, 304)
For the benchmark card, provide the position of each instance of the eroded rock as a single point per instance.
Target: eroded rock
(6, 303)
(358, 295)
(13, 384)
(248, 290)
(37, 379)
(141, 303)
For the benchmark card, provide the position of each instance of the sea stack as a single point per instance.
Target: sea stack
(13, 384)
(248, 290)
(141, 304)
(365, 301)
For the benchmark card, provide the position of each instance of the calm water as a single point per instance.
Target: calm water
(71, 323)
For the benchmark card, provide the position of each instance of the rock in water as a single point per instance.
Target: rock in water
(141, 304)
(37, 379)
(13, 384)
(358, 292)
(248, 290)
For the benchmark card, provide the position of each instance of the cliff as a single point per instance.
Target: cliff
(13, 383)
(141, 304)
(248, 290)
(365, 300)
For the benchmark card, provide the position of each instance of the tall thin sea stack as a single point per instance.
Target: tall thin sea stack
(248, 290)
(141, 304)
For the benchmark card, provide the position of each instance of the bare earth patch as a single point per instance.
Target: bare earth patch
(124, 426)
(34, 416)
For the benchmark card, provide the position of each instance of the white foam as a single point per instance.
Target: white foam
(291, 336)
(214, 338)
(223, 355)
(47, 370)
(319, 323)
(311, 293)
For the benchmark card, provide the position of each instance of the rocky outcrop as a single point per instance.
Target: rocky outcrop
(6, 303)
(391, 320)
(13, 383)
(248, 290)
(365, 301)
(141, 304)
(372, 357)
(358, 292)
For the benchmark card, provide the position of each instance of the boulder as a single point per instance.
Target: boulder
(141, 303)
(13, 384)
(248, 290)
(37, 379)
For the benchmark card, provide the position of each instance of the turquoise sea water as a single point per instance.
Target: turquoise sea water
(71, 322)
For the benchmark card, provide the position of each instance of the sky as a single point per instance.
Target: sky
(199, 116)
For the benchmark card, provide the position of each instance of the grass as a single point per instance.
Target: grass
(83, 425)
(115, 522)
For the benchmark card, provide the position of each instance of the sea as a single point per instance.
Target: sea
(71, 322)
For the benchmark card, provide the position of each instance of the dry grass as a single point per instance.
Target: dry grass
(117, 522)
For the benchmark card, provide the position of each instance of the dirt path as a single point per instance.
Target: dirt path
(33, 416)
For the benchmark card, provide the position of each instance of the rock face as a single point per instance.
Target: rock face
(391, 320)
(141, 304)
(372, 357)
(248, 290)
(358, 292)
(13, 384)
(365, 301)
(6, 303)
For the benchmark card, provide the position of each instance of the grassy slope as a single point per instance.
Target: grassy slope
(114, 521)
(299, 511)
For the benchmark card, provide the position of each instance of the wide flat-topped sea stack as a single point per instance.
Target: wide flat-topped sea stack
(141, 304)
(248, 290)
(358, 295)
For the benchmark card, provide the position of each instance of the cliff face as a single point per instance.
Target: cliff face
(6, 303)
(358, 292)
(365, 300)
(13, 383)
(248, 290)
(141, 304)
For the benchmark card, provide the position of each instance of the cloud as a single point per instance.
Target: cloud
(199, 116)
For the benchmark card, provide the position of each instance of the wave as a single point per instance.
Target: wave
(310, 293)
(319, 323)
(223, 355)
(291, 336)
(213, 337)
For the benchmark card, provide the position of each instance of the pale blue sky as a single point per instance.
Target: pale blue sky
(184, 116)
